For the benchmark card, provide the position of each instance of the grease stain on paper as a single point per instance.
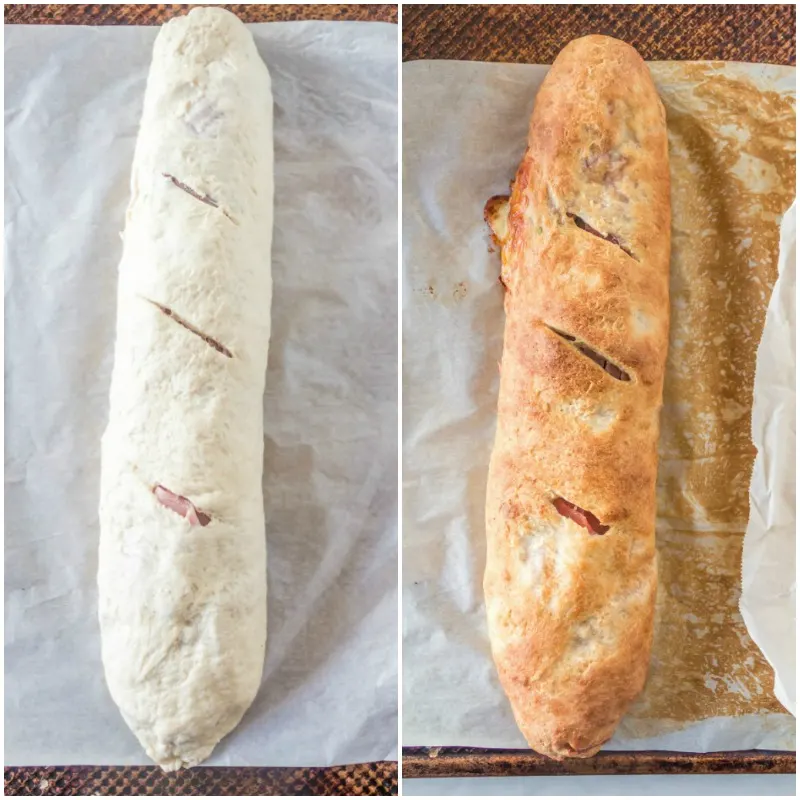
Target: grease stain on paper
(733, 176)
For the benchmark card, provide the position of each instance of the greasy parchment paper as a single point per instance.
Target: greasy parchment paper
(731, 131)
(73, 97)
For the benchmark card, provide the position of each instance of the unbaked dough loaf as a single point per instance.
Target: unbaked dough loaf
(182, 563)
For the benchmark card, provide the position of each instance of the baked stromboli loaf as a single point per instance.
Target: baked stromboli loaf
(182, 568)
(570, 579)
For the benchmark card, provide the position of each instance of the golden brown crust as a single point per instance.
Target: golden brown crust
(586, 266)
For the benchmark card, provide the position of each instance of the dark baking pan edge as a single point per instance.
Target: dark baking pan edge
(452, 762)
(377, 778)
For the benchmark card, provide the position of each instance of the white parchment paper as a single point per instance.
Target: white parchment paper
(73, 98)
(769, 595)
(464, 129)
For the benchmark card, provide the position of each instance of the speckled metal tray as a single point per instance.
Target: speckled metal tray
(141, 14)
(353, 780)
(535, 34)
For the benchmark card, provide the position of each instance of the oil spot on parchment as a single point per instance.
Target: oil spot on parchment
(732, 159)
(459, 291)
(427, 290)
(456, 294)
(703, 664)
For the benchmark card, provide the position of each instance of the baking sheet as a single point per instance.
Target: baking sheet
(73, 98)
(732, 159)
(769, 583)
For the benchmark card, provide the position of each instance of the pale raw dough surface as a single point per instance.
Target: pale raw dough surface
(330, 402)
(183, 607)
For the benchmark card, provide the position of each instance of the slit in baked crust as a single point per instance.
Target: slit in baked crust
(609, 366)
(189, 327)
(579, 515)
(610, 237)
(203, 198)
(181, 505)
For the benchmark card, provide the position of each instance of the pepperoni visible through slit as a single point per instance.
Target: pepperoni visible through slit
(180, 505)
(584, 518)
(189, 327)
(203, 198)
(610, 237)
(612, 369)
